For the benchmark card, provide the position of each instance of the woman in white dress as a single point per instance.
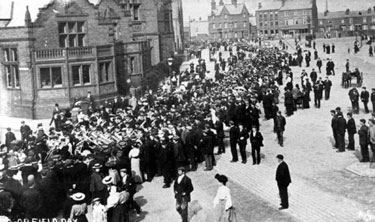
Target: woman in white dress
(222, 200)
(135, 162)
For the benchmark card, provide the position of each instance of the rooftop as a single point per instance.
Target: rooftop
(270, 5)
(343, 14)
(297, 4)
(232, 9)
(19, 9)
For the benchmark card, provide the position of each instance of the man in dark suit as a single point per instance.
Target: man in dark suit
(219, 126)
(25, 131)
(9, 137)
(182, 188)
(364, 140)
(327, 88)
(256, 140)
(334, 127)
(351, 128)
(242, 142)
(234, 133)
(354, 97)
(365, 95)
(341, 128)
(283, 180)
(373, 100)
(279, 127)
(319, 64)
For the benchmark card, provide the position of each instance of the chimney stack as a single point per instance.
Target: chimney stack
(213, 5)
(259, 5)
(221, 3)
(234, 2)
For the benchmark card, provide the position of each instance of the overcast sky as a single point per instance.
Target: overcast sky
(201, 8)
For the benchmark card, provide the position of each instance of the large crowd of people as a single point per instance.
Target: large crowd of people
(97, 154)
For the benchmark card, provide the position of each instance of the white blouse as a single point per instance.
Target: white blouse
(223, 193)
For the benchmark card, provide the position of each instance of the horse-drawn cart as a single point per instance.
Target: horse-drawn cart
(348, 76)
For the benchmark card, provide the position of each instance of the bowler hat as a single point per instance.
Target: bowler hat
(107, 180)
(97, 166)
(279, 156)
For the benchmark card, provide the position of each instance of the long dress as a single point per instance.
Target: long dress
(135, 165)
(222, 202)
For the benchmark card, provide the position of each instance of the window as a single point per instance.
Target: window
(271, 23)
(260, 24)
(365, 27)
(132, 65)
(225, 16)
(244, 24)
(260, 15)
(373, 27)
(265, 23)
(296, 21)
(81, 75)
(373, 19)
(266, 32)
(11, 70)
(213, 26)
(105, 72)
(276, 23)
(244, 15)
(364, 19)
(50, 77)
(72, 34)
(226, 25)
(235, 25)
(351, 20)
(135, 12)
(320, 22)
(342, 21)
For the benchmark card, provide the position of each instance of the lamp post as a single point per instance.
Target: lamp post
(170, 63)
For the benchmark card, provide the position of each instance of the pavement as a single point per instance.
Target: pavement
(321, 190)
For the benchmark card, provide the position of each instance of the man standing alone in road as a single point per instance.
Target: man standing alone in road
(182, 189)
(283, 180)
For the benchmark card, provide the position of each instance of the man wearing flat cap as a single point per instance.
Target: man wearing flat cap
(283, 180)
(372, 98)
(182, 189)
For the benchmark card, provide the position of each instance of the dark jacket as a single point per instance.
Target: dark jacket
(365, 96)
(282, 175)
(183, 189)
(234, 133)
(279, 123)
(243, 136)
(341, 126)
(363, 135)
(351, 126)
(257, 140)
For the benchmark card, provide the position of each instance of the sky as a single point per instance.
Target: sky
(191, 8)
(201, 8)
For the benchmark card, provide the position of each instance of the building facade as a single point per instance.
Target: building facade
(228, 21)
(76, 47)
(287, 18)
(347, 23)
(198, 29)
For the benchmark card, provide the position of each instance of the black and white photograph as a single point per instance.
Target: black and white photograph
(187, 110)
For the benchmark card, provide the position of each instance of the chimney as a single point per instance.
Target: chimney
(347, 12)
(234, 2)
(221, 3)
(27, 17)
(283, 3)
(325, 13)
(369, 10)
(213, 5)
(259, 5)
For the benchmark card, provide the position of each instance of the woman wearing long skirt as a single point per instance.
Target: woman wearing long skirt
(222, 200)
(135, 164)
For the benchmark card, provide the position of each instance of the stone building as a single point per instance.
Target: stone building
(287, 18)
(347, 23)
(75, 47)
(228, 21)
